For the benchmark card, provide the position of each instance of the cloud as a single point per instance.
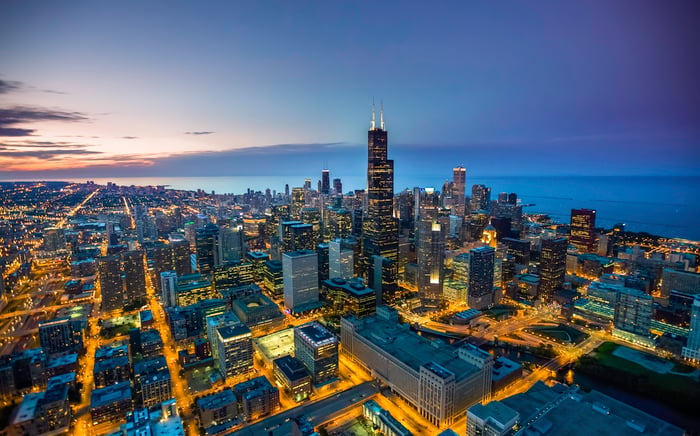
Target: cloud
(51, 91)
(45, 154)
(203, 132)
(9, 85)
(10, 117)
(129, 137)
(43, 144)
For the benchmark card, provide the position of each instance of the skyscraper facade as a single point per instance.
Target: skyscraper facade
(300, 277)
(207, 248)
(431, 254)
(109, 277)
(325, 182)
(481, 198)
(317, 349)
(692, 350)
(481, 266)
(168, 288)
(134, 267)
(380, 229)
(582, 230)
(552, 266)
(459, 175)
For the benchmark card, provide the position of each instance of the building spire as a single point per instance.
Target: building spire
(381, 115)
(372, 123)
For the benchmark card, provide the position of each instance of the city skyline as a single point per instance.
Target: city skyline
(588, 89)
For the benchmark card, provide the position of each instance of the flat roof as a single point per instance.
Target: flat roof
(110, 394)
(410, 348)
(495, 410)
(316, 334)
(276, 345)
(292, 368)
(27, 407)
(214, 401)
(233, 331)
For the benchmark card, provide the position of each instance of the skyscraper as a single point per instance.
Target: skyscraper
(168, 288)
(207, 248)
(552, 266)
(582, 230)
(325, 182)
(109, 277)
(431, 254)
(481, 198)
(459, 175)
(481, 265)
(300, 277)
(317, 349)
(380, 230)
(692, 350)
(134, 267)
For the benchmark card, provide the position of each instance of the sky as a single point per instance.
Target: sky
(182, 88)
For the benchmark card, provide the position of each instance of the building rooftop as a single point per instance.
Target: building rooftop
(495, 411)
(257, 255)
(277, 344)
(315, 334)
(298, 253)
(111, 363)
(502, 367)
(215, 401)
(110, 394)
(292, 368)
(409, 347)
(560, 411)
(66, 378)
(27, 408)
(110, 351)
(68, 359)
(233, 331)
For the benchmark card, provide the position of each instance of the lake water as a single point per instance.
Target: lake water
(662, 205)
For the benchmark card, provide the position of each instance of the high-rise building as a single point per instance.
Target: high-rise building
(317, 349)
(459, 175)
(207, 241)
(298, 202)
(582, 230)
(59, 336)
(382, 278)
(692, 350)
(481, 198)
(300, 277)
(168, 288)
(481, 266)
(325, 182)
(109, 277)
(338, 186)
(633, 309)
(234, 344)
(431, 254)
(340, 260)
(379, 229)
(134, 268)
(552, 269)
(182, 262)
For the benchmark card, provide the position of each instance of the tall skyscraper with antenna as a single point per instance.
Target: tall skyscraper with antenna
(380, 231)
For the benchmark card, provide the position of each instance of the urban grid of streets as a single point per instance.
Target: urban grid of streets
(34, 300)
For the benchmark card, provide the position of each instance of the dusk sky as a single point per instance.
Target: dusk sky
(241, 88)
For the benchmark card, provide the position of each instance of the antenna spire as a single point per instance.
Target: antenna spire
(372, 123)
(381, 114)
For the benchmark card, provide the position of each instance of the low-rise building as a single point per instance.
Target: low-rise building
(293, 376)
(111, 402)
(256, 397)
(217, 408)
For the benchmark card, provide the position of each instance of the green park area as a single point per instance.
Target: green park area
(645, 375)
(558, 333)
(501, 311)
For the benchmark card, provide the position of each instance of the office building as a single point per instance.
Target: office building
(194, 288)
(340, 260)
(207, 242)
(300, 277)
(109, 278)
(317, 349)
(632, 317)
(380, 230)
(233, 274)
(481, 198)
(438, 382)
(325, 182)
(459, 175)
(682, 281)
(234, 349)
(218, 408)
(350, 296)
(430, 249)
(134, 268)
(256, 397)
(111, 402)
(152, 382)
(382, 277)
(292, 375)
(168, 288)
(60, 336)
(552, 269)
(481, 267)
(563, 410)
(111, 370)
(273, 277)
(582, 230)
(692, 349)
